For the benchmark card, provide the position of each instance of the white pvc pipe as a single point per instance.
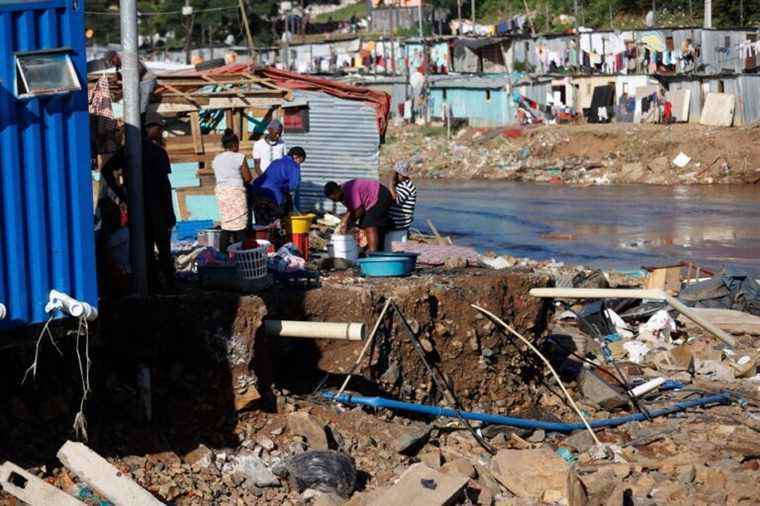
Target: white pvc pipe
(66, 303)
(315, 330)
(647, 387)
(3, 312)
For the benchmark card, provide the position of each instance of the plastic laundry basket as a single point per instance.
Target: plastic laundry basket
(250, 263)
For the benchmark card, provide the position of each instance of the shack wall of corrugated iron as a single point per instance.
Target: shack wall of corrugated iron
(342, 143)
(46, 219)
(749, 85)
(720, 50)
(482, 108)
(695, 100)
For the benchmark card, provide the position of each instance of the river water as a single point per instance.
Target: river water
(620, 227)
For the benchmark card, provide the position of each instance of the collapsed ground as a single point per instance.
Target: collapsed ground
(219, 428)
(580, 154)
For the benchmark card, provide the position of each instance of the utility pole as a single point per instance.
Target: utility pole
(708, 14)
(741, 13)
(187, 11)
(130, 85)
(654, 13)
(459, 16)
(249, 37)
(472, 11)
(419, 15)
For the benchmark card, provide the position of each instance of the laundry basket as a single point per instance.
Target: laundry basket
(250, 263)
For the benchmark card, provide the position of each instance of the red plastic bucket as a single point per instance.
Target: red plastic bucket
(301, 241)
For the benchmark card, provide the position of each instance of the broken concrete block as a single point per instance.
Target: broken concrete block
(599, 392)
(104, 477)
(32, 490)
(421, 486)
(432, 458)
(304, 424)
(530, 473)
(460, 466)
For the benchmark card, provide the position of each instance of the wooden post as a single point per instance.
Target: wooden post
(195, 128)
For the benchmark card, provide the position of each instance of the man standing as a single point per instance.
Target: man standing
(272, 190)
(157, 195)
(404, 201)
(269, 148)
(368, 203)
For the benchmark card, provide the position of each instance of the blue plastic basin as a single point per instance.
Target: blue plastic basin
(410, 257)
(384, 266)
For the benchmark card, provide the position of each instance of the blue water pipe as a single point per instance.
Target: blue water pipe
(525, 423)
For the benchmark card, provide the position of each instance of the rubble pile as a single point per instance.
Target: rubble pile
(581, 154)
(296, 447)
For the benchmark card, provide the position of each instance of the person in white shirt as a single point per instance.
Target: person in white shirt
(269, 148)
(231, 173)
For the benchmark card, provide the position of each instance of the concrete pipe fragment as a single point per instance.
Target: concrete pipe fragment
(315, 330)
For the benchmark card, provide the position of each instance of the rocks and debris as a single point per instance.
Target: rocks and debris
(581, 154)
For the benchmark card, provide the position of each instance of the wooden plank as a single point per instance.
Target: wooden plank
(103, 477)
(195, 127)
(665, 278)
(735, 322)
(31, 489)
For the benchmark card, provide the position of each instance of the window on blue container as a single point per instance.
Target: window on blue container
(45, 73)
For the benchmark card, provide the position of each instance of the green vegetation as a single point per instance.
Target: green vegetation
(358, 9)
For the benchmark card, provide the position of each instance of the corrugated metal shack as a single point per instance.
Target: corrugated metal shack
(745, 87)
(342, 142)
(485, 101)
(46, 215)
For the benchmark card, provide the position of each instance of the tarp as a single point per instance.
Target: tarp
(379, 100)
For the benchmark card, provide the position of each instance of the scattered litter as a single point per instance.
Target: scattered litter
(681, 160)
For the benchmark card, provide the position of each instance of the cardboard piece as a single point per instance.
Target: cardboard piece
(718, 110)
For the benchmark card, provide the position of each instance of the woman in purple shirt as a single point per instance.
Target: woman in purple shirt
(367, 202)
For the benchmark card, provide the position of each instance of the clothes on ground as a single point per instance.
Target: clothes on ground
(360, 194)
(226, 167)
(287, 259)
(267, 152)
(377, 215)
(282, 177)
(233, 208)
(402, 211)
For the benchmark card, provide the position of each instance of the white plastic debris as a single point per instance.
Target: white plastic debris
(658, 328)
(620, 326)
(636, 350)
(682, 160)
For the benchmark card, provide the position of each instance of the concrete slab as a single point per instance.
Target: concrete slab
(718, 110)
(104, 477)
(422, 486)
(32, 490)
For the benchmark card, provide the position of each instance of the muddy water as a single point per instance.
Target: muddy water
(622, 227)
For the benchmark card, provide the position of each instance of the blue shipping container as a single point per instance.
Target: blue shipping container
(46, 216)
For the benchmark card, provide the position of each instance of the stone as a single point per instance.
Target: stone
(580, 441)
(252, 467)
(455, 262)
(537, 437)
(421, 486)
(432, 458)
(643, 486)
(404, 438)
(200, 458)
(530, 473)
(599, 392)
(304, 424)
(686, 474)
(460, 466)
(659, 165)
(265, 442)
(323, 499)
(600, 483)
